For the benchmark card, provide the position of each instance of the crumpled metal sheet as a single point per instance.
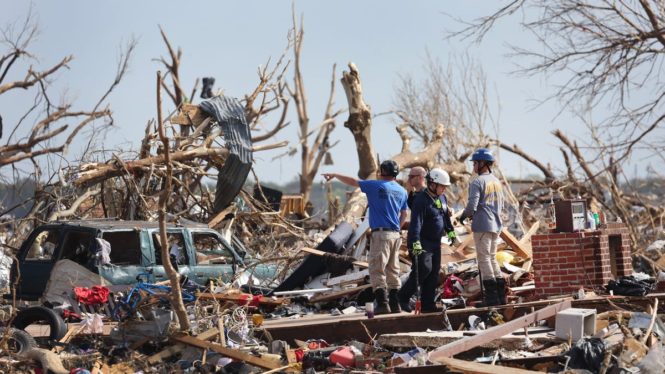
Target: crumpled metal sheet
(230, 116)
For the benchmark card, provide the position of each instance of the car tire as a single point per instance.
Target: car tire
(20, 341)
(29, 316)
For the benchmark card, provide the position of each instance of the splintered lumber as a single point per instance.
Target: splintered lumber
(465, 344)
(190, 114)
(522, 250)
(229, 352)
(478, 368)
(244, 298)
(313, 251)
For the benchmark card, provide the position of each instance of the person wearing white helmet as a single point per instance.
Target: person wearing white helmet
(430, 221)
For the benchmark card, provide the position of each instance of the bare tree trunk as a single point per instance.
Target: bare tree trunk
(174, 277)
(311, 155)
(359, 122)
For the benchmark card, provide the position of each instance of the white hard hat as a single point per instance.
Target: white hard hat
(438, 176)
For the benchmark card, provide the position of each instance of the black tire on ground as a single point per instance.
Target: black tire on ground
(19, 340)
(29, 316)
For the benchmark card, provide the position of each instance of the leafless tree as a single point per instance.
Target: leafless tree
(446, 114)
(41, 136)
(604, 61)
(312, 153)
(602, 54)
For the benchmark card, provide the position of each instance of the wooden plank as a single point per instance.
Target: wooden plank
(526, 238)
(338, 294)
(170, 351)
(313, 251)
(478, 368)
(189, 115)
(515, 244)
(232, 353)
(463, 345)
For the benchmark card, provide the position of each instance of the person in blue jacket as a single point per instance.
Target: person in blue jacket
(430, 221)
(386, 200)
(484, 208)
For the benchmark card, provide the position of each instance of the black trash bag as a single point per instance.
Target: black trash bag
(587, 354)
(630, 286)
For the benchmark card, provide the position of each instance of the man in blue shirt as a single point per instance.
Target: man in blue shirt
(386, 200)
(430, 221)
(484, 208)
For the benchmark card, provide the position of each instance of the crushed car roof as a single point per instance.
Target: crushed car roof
(113, 224)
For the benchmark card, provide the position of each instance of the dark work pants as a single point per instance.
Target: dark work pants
(429, 265)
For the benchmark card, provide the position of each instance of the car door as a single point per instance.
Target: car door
(35, 262)
(178, 250)
(129, 255)
(213, 257)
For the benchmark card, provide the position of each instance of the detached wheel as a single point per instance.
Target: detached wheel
(41, 316)
(18, 341)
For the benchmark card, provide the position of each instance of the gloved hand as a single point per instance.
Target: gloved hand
(462, 218)
(416, 248)
(452, 238)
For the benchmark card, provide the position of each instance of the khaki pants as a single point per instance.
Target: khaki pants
(486, 254)
(384, 260)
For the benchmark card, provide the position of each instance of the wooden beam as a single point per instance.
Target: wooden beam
(463, 345)
(316, 252)
(229, 352)
(519, 248)
(170, 351)
(526, 238)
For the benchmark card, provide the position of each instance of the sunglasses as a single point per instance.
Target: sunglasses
(413, 176)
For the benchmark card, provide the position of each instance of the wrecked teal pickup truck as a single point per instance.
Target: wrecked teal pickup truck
(118, 251)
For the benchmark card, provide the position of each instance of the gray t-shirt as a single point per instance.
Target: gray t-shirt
(485, 204)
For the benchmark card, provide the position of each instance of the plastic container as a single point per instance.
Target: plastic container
(369, 309)
(343, 356)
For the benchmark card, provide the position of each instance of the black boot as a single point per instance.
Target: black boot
(405, 306)
(490, 297)
(393, 300)
(501, 291)
(381, 302)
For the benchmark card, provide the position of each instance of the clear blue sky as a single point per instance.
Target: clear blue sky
(230, 39)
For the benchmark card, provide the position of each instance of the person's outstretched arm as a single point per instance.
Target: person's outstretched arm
(343, 178)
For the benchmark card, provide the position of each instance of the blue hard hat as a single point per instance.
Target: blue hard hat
(482, 154)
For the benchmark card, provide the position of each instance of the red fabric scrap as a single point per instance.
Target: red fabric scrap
(449, 289)
(92, 296)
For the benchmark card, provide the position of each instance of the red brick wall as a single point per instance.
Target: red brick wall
(564, 262)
